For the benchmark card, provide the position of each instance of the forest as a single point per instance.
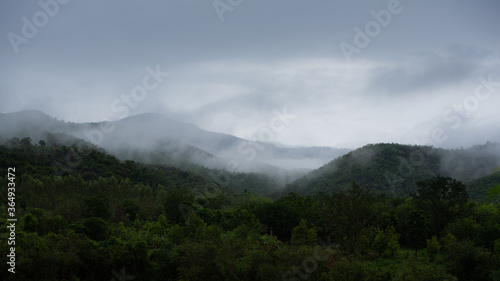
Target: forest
(83, 214)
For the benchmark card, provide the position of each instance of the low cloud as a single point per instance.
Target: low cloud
(228, 76)
(427, 72)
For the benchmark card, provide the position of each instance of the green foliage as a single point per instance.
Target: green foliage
(83, 213)
(485, 188)
(285, 213)
(195, 228)
(131, 208)
(386, 168)
(380, 242)
(177, 204)
(496, 247)
(468, 262)
(386, 241)
(443, 199)
(351, 270)
(432, 248)
(418, 271)
(393, 238)
(25, 142)
(176, 234)
(393, 246)
(418, 229)
(390, 168)
(464, 229)
(494, 191)
(495, 275)
(349, 215)
(448, 240)
(96, 228)
(96, 206)
(30, 223)
(302, 235)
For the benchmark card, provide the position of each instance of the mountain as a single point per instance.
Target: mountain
(154, 138)
(480, 187)
(148, 129)
(395, 168)
(30, 123)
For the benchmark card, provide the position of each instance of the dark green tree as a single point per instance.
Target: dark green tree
(30, 223)
(494, 191)
(26, 142)
(432, 248)
(131, 208)
(96, 206)
(177, 204)
(469, 262)
(393, 238)
(380, 242)
(286, 212)
(443, 199)
(349, 216)
(302, 235)
(96, 228)
(418, 229)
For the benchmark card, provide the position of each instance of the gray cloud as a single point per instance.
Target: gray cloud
(229, 76)
(427, 71)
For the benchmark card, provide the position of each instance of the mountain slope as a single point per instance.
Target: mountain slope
(148, 129)
(30, 123)
(479, 188)
(92, 162)
(395, 168)
(146, 134)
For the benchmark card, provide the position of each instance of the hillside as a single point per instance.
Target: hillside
(145, 137)
(479, 188)
(91, 163)
(395, 168)
(84, 214)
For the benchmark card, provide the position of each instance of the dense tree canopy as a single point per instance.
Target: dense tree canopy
(443, 199)
(85, 215)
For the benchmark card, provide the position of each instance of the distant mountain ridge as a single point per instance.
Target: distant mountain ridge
(479, 188)
(395, 168)
(145, 134)
(153, 138)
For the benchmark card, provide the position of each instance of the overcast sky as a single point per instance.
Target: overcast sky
(346, 73)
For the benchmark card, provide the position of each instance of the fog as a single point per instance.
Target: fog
(235, 73)
(279, 87)
(471, 163)
(156, 139)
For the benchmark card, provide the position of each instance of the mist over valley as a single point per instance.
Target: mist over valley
(155, 139)
(250, 140)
